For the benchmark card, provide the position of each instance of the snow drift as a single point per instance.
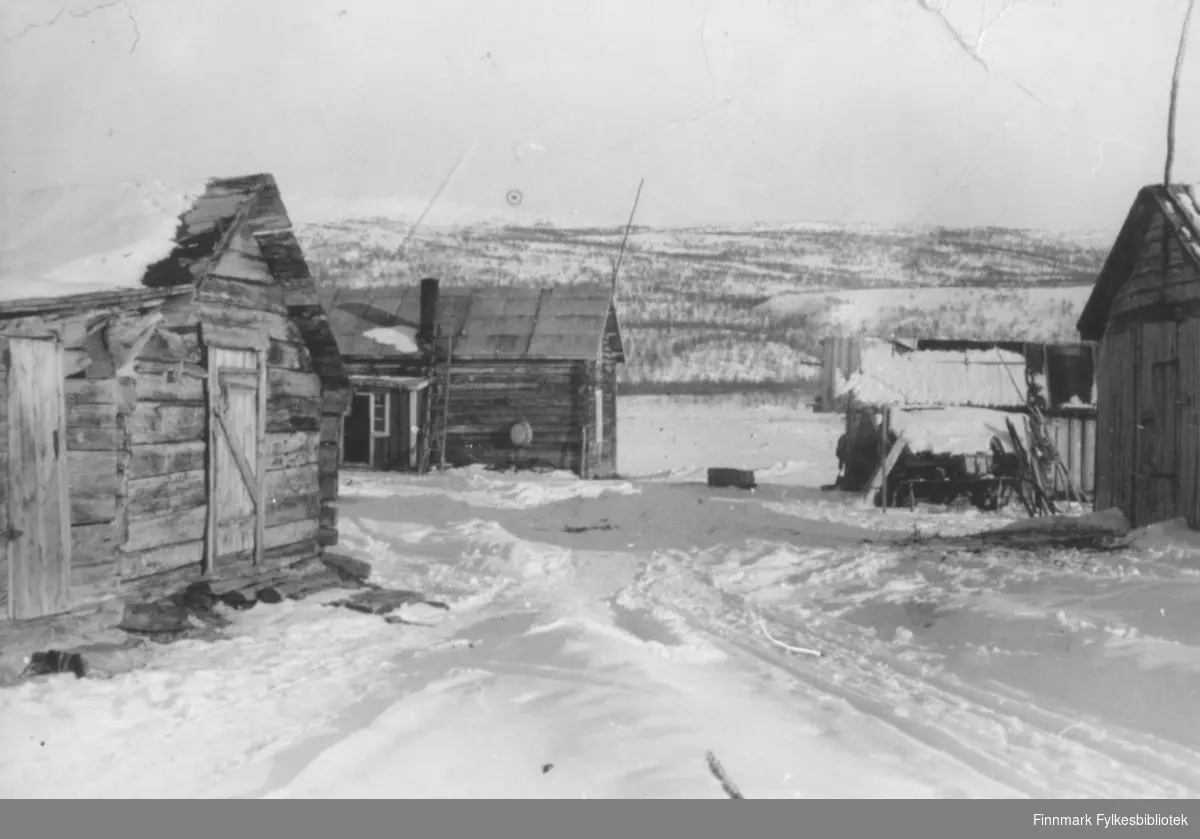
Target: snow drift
(603, 636)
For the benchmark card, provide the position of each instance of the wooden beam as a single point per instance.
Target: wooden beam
(371, 431)
(210, 541)
(884, 423)
(234, 338)
(126, 337)
(886, 466)
(33, 328)
(260, 507)
(239, 458)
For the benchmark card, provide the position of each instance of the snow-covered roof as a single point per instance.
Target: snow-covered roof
(84, 238)
(564, 321)
(401, 339)
(83, 247)
(889, 376)
(954, 430)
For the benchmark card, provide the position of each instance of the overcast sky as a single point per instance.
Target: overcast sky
(734, 111)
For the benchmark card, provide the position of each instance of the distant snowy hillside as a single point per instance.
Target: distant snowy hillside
(745, 308)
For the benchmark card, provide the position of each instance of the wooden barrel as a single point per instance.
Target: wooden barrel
(521, 434)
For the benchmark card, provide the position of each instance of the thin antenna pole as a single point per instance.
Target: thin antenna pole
(625, 238)
(1187, 18)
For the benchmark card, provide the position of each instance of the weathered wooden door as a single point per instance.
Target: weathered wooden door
(1160, 423)
(1160, 450)
(39, 512)
(237, 395)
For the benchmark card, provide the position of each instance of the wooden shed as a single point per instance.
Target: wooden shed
(1145, 312)
(1051, 385)
(1014, 376)
(186, 427)
(1060, 379)
(504, 376)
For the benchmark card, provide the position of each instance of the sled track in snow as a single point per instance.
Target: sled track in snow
(1034, 750)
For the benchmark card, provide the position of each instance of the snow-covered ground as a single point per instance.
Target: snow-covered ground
(603, 636)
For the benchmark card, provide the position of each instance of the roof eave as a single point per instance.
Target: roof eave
(95, 299)
(1093, 320)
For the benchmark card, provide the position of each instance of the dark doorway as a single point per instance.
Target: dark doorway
(356, 447)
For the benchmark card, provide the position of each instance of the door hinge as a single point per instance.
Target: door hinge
(54, 436)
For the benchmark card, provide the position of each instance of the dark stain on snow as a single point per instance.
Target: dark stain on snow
(641, 624)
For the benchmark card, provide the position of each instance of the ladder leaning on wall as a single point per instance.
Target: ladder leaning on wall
(434, 425)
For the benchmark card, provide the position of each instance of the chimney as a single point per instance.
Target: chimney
(429, 308)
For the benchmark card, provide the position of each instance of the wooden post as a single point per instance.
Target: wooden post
(214, 393)
(260, 466)
(445, 405)
(884, 423)
(583, 449)
(414, 407)
(342, 432)
(371, 397)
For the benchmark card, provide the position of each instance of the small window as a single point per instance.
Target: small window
(381, 404)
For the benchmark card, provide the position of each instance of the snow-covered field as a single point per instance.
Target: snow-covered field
(604, 636)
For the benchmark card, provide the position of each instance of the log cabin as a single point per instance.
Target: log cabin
(1145, 313)
(184, 427)
(503, 376)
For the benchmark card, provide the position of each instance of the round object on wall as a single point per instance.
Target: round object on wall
(514, 197)
(521, 434)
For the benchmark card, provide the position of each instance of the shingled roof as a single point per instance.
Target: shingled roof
(238, 229)
(235, 229)
(564, 322)
(1180, 205)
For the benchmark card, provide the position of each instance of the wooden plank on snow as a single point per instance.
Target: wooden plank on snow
(885, 468)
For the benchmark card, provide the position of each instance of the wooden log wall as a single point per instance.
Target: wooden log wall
(167, 486)
(488, 397)
(1189, 397)
(1148, 387)
(1114, 421)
